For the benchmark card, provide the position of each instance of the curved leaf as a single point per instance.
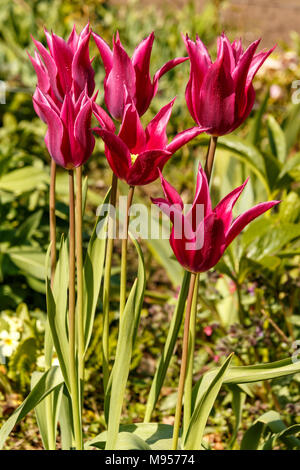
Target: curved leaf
(49, 381)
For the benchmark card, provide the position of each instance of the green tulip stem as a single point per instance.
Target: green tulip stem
(74, 389)
(184, 360)
(106, 283)
(210, 156)
(52, 223)
(124, 253)
(187, 407)
(52, 219)
(79, 270)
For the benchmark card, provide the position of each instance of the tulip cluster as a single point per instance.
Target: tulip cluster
(219, 96)
(63, 97)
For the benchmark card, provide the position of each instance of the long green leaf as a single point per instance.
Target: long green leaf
(167, 353)
(157, 436)
(246, 374)
(122, 362)
(194, 435)
(46, 384)
(93, 269)
(273, 422)
(66, 421)
(276, 139)
(140, 291)
(47, 435)
(57, 309)
(238, 400)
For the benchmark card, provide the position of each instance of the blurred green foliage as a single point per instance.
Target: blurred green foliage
(254, 287)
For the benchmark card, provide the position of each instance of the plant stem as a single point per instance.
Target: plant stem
(106, 283)
(52, 223)
(124, 253)
(184, 359)
(79, 266)
(72, 346)
(52, 219)
(191, 349)
(210, 156)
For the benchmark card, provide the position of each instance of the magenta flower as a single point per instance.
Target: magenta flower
(200, 237)
(136, 155)
(131, 76)
(69, 138)
(66, 67)
(63, 97)
(220, 95)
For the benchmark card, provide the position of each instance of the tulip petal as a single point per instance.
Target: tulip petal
(68, 117)
(63, 57)
(122, 73)
(82, 71)
(156, 129)
(164, 69)
(172, 196)
(105, 52)
(183, 138)
(83, 133)
(216, 106)
(117, 153)
(237, 49)
(213, 238)
(173, 211)
(256, 63)
(141, 64)
(132, 131)
(202, 204)
(39, 98)
(103, 118)
(145, 168)
(240, 76)
(50, 66)
(43, 81)
(225, 48)
(73, 39)
(199, 62)
(225, 206)
(55, 138)
(244, 219)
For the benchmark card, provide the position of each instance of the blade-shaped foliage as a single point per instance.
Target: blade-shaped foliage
(120, 372)
(47, 413)
(194, 435)
(48, 382)
(157, 436)
(168, 350)
(93, 269)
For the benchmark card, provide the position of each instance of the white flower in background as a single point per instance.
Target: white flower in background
(42, 364)
(15, 324)
(9, 342)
